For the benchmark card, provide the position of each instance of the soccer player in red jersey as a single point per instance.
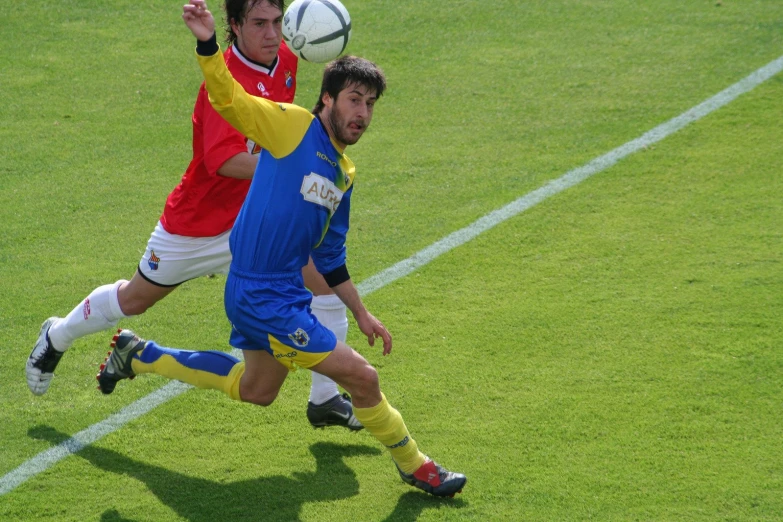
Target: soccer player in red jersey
(191, 238)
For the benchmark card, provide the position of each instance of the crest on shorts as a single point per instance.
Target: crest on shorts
(299, 338)
(153, 261)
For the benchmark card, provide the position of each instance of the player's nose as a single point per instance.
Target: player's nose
(362, 112)
(272, 32)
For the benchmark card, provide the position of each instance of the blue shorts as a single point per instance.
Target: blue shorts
(272, 312)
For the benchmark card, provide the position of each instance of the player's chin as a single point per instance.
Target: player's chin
(352, 136)
(267, 55)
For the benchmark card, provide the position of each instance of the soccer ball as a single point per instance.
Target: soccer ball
(317, 30)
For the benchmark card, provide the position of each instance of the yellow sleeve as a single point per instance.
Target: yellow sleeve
(277, 127)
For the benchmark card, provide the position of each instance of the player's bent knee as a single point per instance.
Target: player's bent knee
(259, 397)
(135, 307)
(137, 296)
(366, 378)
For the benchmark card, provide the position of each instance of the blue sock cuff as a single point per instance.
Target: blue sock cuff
(212, 361)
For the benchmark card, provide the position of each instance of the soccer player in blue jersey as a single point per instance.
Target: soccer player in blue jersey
(297, 210)
(191, 238)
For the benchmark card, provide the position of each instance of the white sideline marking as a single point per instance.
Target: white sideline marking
(569, 179)
(48, 458)
(87, 436)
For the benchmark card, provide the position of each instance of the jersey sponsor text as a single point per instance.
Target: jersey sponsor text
(321, 191)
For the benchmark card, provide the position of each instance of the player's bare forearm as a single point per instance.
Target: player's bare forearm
(198, 19)
(241, 166)
(349, 295)
(367, 323)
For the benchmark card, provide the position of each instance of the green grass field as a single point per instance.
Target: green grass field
(613, 353)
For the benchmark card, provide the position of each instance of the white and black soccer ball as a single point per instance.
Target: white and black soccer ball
(317, 30)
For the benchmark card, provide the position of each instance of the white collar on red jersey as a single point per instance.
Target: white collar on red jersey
(270, 70)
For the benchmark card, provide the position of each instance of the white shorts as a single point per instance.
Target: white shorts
(171, 259)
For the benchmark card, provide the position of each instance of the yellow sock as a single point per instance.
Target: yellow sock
(386, 424)
(232, 381)
(208, 369)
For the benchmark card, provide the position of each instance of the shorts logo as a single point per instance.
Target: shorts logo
(86, 309)
(321, 191)
(299, 338)
(153, 261)
(400, 444)
(289, 354)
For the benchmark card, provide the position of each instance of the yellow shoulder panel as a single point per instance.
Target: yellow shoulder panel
(278, 127)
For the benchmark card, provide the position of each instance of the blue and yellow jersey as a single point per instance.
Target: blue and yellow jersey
(299, 201)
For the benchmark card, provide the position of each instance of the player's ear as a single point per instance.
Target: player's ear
(234, 26)
(327, 100)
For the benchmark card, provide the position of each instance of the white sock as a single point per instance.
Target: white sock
(330, 312)
(97, 312)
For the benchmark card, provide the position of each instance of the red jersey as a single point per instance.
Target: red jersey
(205, 204)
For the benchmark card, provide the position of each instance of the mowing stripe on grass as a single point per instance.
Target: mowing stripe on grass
(48, 458)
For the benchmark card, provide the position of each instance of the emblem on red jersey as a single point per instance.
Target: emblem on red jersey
(153, 261)
(263, 90)
(289, 80)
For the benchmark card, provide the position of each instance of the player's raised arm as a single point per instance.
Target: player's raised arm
(276, 127)
(198, 19)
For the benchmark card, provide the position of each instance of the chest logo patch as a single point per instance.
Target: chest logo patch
(321, 191)
(262, 90)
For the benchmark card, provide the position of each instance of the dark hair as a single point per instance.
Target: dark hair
(236, 10)
(347, 70)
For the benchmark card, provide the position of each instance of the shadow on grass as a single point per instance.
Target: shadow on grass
(411, 505)
(113, 515)
(267, 498)
(275, 497)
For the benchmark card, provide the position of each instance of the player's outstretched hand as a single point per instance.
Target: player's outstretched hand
(373, 328)
(198, 19)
